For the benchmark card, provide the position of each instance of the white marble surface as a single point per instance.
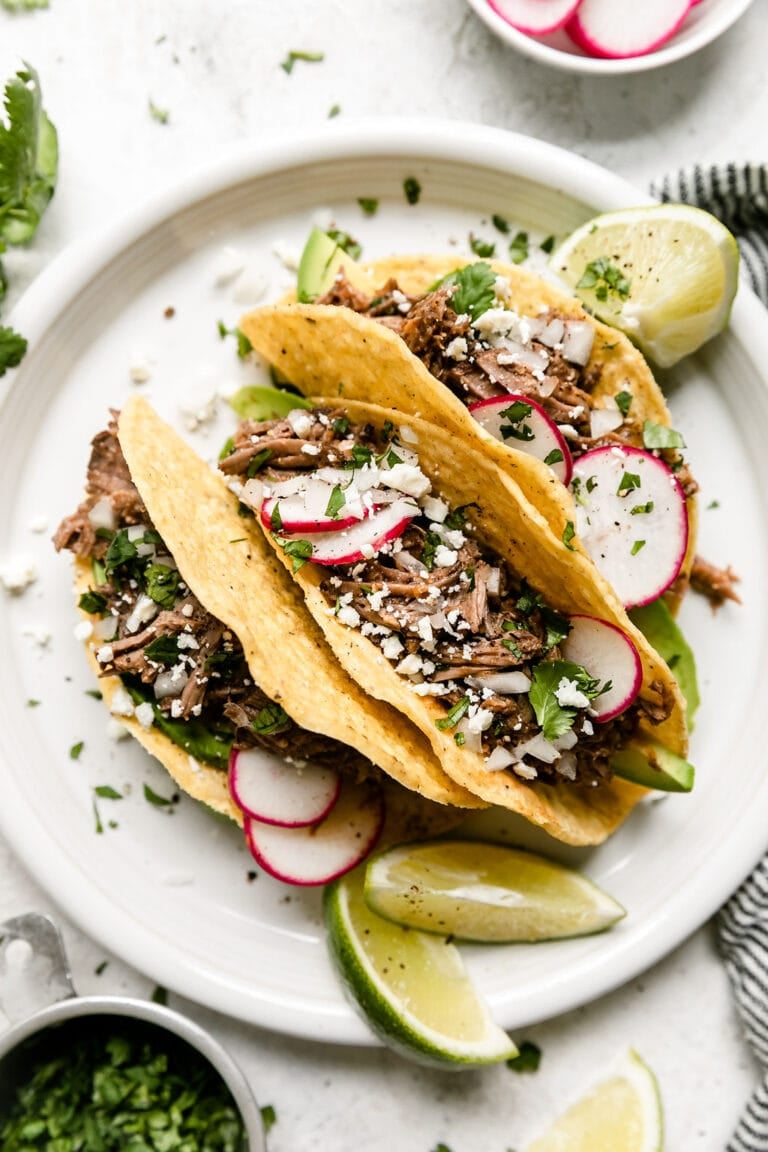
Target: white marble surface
(215, 67)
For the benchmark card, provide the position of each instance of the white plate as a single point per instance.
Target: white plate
(169, 892)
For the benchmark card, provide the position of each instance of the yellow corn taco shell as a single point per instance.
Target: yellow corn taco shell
(515, 529)
(228, 565)
(332, 351)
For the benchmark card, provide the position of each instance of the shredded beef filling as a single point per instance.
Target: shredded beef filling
(187, 662)
(429, 328)
(462, 614)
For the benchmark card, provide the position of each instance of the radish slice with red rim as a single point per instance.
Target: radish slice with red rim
(321, 852)
(608, 655)
(617, 29)
(535, 17)
(268, 789)
(295, 516)
(521, 423)
(363, 539)
(632, 519)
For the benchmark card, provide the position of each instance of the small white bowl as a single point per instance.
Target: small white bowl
(704, 23)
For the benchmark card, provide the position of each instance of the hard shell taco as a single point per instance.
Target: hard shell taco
(443, 593)
(502, 357)
(202, 642)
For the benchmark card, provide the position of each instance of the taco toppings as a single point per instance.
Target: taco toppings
(453, 618)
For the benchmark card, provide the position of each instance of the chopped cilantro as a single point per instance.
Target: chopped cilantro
(554, 457)
(299, 551)
(528, 1057)
(457, 517)
(360, 456)
(568, 534)
(713, 504)
(454, 715)
(76, 749)
(159, 995)
(517, 412)
(528, 599)
(107, 792)
(346, 242)
(333, 111)
(22, 5)
(412, 189)
(475, 289)
(518, 248)
(161, 115)
(483, 248)
(100, 968)
(500, 224)
(638, 544)
(153, 797)
(368, 204)
(163, 650)
(33, 703)
(629, 481)
(602, 277)
(268, 1117)
(623, 402)
(431, 544)
(244, 345)
(336, 502)
(513, 647)
(272, 718)
(94, 694)
(257, 462)
(275, 519)
(306, 57)
(161, 584)
(12, 348)
(554, 719)
(340, 426)
(441, 1148)
(92, 602)
(547, 244)
(557, 626)
(98, 826)
(641, 509)
(227, 448)
(673, 660)
(121, 551)
(460, 738)
(591, 483)
(659, 436)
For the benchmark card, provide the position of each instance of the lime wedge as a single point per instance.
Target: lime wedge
(487, 892)
(666, 275)
(621, 1114)
(412, 988)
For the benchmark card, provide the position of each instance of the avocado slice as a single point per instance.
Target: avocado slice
(321, 261)
(654, 766)
(257, 402)
(661, 630)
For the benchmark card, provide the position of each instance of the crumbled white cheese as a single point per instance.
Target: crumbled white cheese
(17, 574)
(410, 665)
(198, 410)
(177, 709)
(435, 508)
(588, 728)
(227, 266)
(311, 449)
(349, 616)
(407, 478)
(502, 288)
(497, 322)
(39, 524)
(424, 628)
(480, 720)
(300, 421)
(427, 689)
(139, 370)
(391, 647)
(121, 703)
(83, 630)
(145, 714)
(368, 551)
(184, 640)
(568, 431)
(104, 654)
(457, 349)
(445, 557)
(187, 610)
(376, 599)
(569, 695)
(289, 255)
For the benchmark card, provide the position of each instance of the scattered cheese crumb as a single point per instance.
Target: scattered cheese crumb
(349, 616)
(568, 695)
(457, 349)
(445, 557)
(228, 264)
(39, 524)
(139, 370)
(391, 647)
(121, 703)
(145, 715)
(83, 630)
(17, 574)
(288, 254)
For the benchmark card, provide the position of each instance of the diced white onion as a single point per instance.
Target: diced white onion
(577, 341)
(300, 421)
(473, 741)
(527, 357)
(170, 683)
(105, 629)
(253, 493)
(136, 536)
(604, 420)
(500, 758)
(406, 560)
(493, 581)
(539, 747)
(552, 333)
(566, 765)
(101, 515)
(547, 386)
(503, 683)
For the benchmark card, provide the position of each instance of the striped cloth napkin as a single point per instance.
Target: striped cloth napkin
(739, 197)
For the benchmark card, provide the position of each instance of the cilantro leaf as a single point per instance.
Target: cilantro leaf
(528, 1057)
(412, 189)
(244, 345)
(603, 278)
(28, 159)
(568, 534)
(307, 57)
(155, 798)
(623, 402)
(368, 205)
(76, 749)
(553, 718)
(121, 551)
(475, 289)
(346, 242)
(299, 551)
(107, 792)
(272, 718)
(516, 414)
(12, 349)
(161, 115)
(336, 502)
(163, 650)
(454, 715)
(659, 436)
(22, 5)
(92, 602)
(500, 223)
(162, 584)
(483, 248)
(518, 248)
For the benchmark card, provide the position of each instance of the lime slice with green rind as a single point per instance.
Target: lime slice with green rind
(665, 274)
(623, 1113)
(412, 987)
(485, 892)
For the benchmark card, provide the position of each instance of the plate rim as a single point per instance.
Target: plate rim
(51, 294)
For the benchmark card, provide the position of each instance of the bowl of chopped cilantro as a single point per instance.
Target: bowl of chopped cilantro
(111, 1073)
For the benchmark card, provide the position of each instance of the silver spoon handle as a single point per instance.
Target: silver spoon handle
(34, 971)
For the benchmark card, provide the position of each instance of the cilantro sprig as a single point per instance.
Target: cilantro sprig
(553, 718)
(604, 279)
(475, 286)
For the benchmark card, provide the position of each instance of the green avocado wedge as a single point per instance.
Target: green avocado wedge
(320, 262)
(661, 630)
(258, 402)
(653, 766)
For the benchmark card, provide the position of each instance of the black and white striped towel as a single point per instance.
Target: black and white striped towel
(739, 197)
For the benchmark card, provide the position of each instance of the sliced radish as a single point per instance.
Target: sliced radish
(632, 519)
(608, 654)
(620, 28)
(545, 440)
(535, 17)
(321, 852)
(363, 539)
(274, 792)
(296, 517)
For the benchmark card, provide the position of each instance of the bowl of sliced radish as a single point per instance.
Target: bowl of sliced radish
(608, 37)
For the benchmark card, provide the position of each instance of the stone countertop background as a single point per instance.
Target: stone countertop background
(214, 66)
